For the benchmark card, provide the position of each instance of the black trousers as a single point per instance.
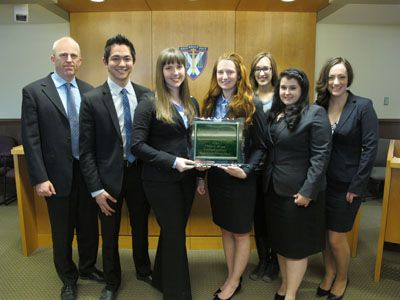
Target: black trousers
(138, 207)
(77, 211)
(260, 222)
(171, 203)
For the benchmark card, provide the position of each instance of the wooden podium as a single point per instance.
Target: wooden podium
(35, 230)
(390, 220)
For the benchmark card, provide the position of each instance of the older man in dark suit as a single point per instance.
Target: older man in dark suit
(111, 171)
(50, 134)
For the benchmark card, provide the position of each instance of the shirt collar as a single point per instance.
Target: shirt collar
(59, 81)
(116, 89)
(222, 99)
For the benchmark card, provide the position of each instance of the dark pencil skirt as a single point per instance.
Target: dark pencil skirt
(340, 214)
(232, 200)
(295, 231)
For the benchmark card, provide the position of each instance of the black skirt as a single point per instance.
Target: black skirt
(232, 200)
(295, 231)
(340, 214)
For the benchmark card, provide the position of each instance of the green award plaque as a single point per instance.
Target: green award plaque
(217, 142)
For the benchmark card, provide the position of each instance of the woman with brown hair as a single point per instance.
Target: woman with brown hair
(263, 78)
(354, 146)
(232, 188)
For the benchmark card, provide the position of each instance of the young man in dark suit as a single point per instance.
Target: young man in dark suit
(50, 137)
(111, 171)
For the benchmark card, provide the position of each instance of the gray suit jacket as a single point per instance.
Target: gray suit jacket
(297, 160)
(46, 134)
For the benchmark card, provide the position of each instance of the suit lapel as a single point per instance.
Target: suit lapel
(178, 118)
(280, 129)
(269, 137)
(49, 89)
(347, 110)
(109, 103)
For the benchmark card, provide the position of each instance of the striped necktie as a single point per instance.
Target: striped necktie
(73, 121)
(127, 125)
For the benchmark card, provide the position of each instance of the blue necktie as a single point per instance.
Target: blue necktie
(221, 109)
(73, 121)
(127, 125)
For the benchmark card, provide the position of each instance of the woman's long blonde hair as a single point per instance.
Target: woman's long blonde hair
(164, 107)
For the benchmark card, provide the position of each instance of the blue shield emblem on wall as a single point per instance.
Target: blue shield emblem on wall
(196, 59)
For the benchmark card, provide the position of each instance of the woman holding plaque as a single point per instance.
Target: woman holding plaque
(161, 139)
(232, 188)
(354, 147)
(263, 78)
(298, 141)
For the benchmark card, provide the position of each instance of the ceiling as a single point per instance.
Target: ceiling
(157, 5)
(366, 12)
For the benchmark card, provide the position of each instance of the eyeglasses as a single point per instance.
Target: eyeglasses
(257, 71)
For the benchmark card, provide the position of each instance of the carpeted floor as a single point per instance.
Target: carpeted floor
(34, 277)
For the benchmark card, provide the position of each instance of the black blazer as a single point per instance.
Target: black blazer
(297, 160)
(100, 140)
(46, 135)
(254, 144)
(158, 143)
(354, 144)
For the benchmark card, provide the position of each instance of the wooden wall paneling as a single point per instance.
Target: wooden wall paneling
(157, 5)
(290, 37)
(211, 29)
(91, 30)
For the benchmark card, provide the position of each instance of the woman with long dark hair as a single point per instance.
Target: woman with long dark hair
(298, 141)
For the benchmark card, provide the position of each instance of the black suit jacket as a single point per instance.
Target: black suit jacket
(46, 134)
(297, 160)
(354, 144)
(101, 145)
(158, 143)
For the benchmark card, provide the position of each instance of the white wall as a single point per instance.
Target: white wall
(374, 53)
(25, 55)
